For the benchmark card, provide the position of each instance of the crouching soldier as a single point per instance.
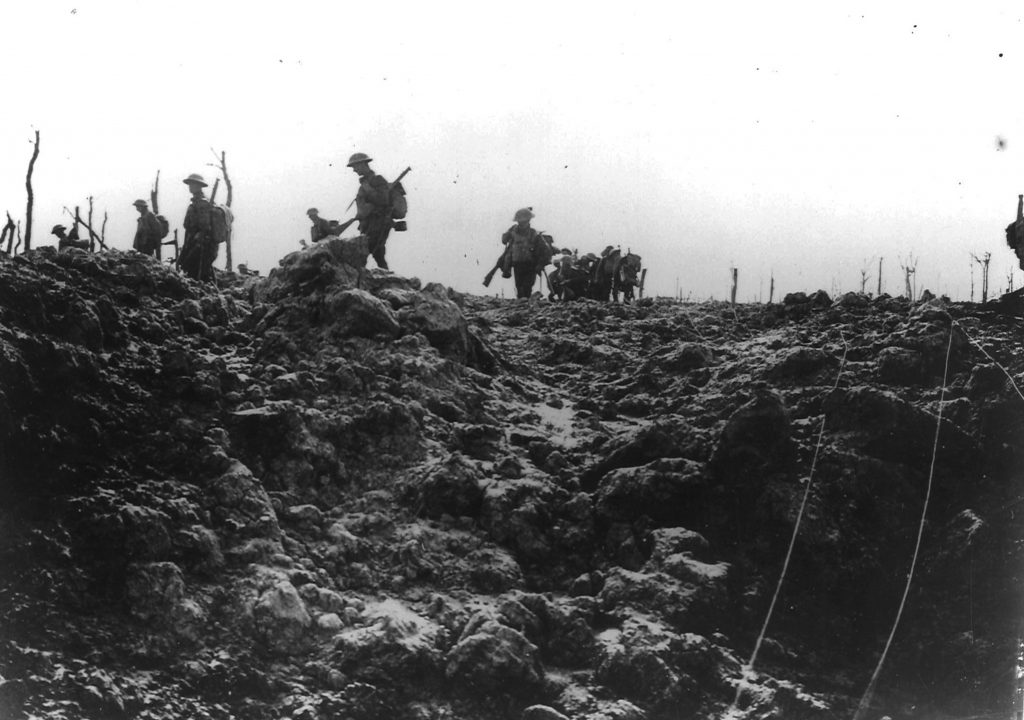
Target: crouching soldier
(65, 241)
(321, 227)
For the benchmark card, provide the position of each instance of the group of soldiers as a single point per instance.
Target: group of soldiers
(380, 208)
(527, 253)
(203, 232)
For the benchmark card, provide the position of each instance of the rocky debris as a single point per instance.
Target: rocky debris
(491, 658)
(336, 492)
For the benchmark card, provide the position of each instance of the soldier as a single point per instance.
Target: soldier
(521, 241)
(199, 248)
(147, 234)
(68, 241)
(373, 207)
(321, 227)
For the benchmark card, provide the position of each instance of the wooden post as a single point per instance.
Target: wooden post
(972, 277)
(88, 226)
(984, 275)
(31, 197)
(984, 262)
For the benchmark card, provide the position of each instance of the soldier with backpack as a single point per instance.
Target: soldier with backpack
(199, 249)
(378, 204)
(149, 232)
(522, 245)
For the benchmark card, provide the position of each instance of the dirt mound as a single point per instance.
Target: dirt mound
(335, 492)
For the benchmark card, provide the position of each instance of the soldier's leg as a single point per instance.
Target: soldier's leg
(382, 240)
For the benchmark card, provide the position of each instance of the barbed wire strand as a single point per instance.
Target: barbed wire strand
(984, 352)
(748, 668)
(865, 700)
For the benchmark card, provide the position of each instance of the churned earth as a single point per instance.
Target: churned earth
(339, 493)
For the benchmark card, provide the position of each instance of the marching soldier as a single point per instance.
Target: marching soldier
(199, 248)
(373, 207)
(147, 234)
(521, 242)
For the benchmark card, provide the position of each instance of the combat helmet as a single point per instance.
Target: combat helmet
(358, 158)
(195, 178)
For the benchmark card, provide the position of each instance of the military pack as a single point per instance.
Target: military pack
(221, 219)
(165, 227)
(399, 205)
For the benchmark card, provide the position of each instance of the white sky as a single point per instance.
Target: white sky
(802, 140)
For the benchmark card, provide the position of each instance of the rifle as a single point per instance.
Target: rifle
(497, 266)
(390, 186)
(174, 242)
(344, 226)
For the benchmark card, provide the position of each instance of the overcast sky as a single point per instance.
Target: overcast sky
(802, 141)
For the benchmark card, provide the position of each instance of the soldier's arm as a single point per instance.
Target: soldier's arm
(376, 191)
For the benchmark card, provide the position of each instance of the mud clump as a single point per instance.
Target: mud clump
(338, 492)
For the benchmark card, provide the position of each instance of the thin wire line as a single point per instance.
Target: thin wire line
(985, 353)
(792, 540)
(869, 692)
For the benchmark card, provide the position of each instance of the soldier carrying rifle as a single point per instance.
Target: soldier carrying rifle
(378, 204)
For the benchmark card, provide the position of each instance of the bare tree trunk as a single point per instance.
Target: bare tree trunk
(771, 289)
(18, 245)
(8, 233)
(880, 276)
(103, 229)
(154, 199)
(227, 184)
(92, 233)
(735, 281)
(984, 279)
(88, 226)
(31, 197)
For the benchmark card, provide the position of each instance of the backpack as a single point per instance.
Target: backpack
(543, 250)
(221, 219)
(399, 205)
(165, 227)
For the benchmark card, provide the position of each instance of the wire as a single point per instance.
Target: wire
(869, 692)
(792, 540)
(985, 353)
